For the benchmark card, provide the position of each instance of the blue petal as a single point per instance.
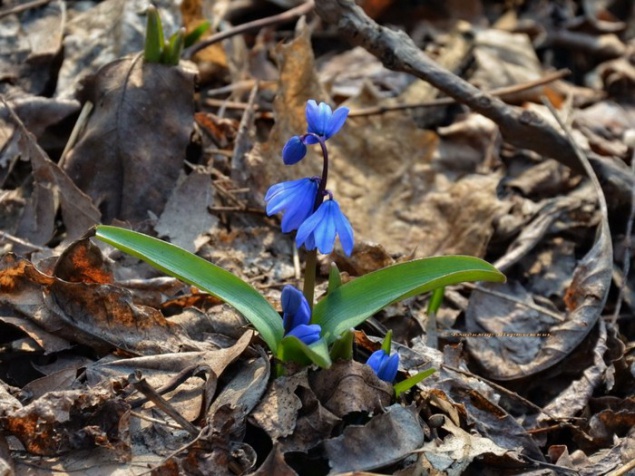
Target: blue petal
(320, 229)
(389, 369)
(295, 198)
(344, 231)
(295, 307)
(293, 151)
(336, 121)
(318, 117)
(305, 232)
(383, 365)
(307, 333)
(324, 232)
(376, 359)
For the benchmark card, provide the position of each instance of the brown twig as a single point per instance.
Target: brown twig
(521, 128)
(500, 92)
(24, 7)
(290, 14)
(141, 385)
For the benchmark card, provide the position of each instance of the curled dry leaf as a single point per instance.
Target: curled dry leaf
(349, 386)
(101, 316)
(386, 439)
(292, 416)
(74, 419)
(131, 152)
(52, 190)
(457, 450)
(523, 338)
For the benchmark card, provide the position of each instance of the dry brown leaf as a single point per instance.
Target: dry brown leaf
(457, 450)
(186, 215)
(131, 152)
(100, 316)
(275, 465)
(75, 419)
(349, 386)
(386, 439)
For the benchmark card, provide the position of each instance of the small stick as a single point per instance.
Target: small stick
(141, 385)
(290, 14)
(77, 129)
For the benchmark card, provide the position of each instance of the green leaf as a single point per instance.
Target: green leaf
(407, 384)
(173, 49)
(292, 349)
(198, 272)
(335, 280)
(342, 348)
(435, 300)
(195, 35)
(354, 302)
(154, 37)
(387, 342)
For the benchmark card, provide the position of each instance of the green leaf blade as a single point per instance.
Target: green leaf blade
(198, 272)
(292, 349)
(354, 302)
(407, 384)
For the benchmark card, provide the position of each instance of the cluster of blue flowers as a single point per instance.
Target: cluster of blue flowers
(302, 203)
(308, 207)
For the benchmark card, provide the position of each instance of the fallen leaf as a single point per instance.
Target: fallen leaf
(348, 386)
(386, 439)
(457, 450)
(141, 149)
(100, 316)
(186, 215)
(74, 419)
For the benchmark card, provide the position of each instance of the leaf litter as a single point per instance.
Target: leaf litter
(107, 367)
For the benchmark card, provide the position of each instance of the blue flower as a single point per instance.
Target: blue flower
(296, 315)
(319, 230)
(307, 333)
(323, 121)
(293, 151)
(295, 199)
(384, 365)
(295, 308)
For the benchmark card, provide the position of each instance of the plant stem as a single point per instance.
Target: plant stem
(310, 271)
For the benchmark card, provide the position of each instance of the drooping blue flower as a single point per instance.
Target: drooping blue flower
(384, 365)
(293, 151)
(296, 315)
(320, 229)
(323, 121)
(295, 198)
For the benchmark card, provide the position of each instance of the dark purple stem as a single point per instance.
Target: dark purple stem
(325, 169)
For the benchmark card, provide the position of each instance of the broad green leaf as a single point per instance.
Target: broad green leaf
(292, 349)
(354, 302)
(154, 36)
(198, 272)
(407, 384)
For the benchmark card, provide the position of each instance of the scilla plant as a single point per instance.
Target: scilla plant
(309, 333)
